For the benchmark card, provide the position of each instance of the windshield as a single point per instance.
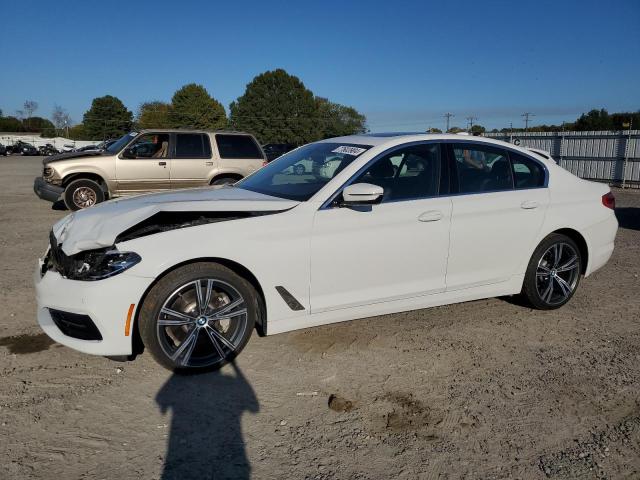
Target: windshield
(299, 174)
(119, 144)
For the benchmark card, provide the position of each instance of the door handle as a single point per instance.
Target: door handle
(430, 216)
(162, 164)
(208, 164)
(529, 204)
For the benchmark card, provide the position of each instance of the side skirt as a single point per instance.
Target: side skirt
(510, 287)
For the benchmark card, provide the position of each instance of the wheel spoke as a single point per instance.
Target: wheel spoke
(557, 254)
(207, 297)
(215, 342)
(564, 286)
(167, 322)
(212, 331)
(187, 345)
(568, 265)
(185, 319)
(548, 292)
(224, 311)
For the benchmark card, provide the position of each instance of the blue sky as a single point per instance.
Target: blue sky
(403, 64)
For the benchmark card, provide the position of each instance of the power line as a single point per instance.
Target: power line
(471, 118)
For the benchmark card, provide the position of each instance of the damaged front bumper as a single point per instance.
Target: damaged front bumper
(46, 191)
(63, 307)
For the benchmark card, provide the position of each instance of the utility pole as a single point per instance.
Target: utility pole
(448, 116)
(526, 116)
(471, 119)
(626, 155)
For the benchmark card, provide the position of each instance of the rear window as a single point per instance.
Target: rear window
(192, 145)
(238, 146)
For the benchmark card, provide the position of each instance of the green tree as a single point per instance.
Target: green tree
(277, 108)
(594, 120)
(434, 130)
(477, 129)
(107, 118)
(337, 120)
(192, 106)
(11, 124)
(39, 124)
(624, 120)
(154, 114)
(77, 132)
(456, 130)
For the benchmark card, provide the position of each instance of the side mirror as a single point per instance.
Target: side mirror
(362, 194)
(128, 153)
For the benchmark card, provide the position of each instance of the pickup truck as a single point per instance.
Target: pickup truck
(148, 161)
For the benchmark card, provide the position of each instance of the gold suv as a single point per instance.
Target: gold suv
(148, 161)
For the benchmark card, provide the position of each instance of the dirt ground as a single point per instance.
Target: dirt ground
(486, 389)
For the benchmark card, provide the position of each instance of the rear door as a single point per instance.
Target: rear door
(496, 216)
(148, 169)
(238, 154)
(192, 160)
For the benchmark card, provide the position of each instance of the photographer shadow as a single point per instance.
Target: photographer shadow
(205, 440)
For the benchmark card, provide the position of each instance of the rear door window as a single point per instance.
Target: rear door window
(192, 145)
(527, 172)
(482, 168)
(238, 146)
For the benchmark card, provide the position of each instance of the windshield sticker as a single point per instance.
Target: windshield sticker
(349, 150)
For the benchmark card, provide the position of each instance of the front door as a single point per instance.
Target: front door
(192, 161)
(396, 249)
(145, 165)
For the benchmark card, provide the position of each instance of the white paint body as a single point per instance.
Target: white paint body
(339, 263)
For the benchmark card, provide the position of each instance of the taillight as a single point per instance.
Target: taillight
(609, 201)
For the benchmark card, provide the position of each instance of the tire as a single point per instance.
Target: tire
(189, 339)
(221, 181)
(82, 193)
(553, 273)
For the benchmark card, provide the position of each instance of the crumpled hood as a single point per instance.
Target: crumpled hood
(69, 155)
(98, 226)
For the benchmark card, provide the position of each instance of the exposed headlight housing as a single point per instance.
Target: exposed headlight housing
(89, 265)
(100, 265)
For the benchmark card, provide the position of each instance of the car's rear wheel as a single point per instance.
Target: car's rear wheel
(199, 317)
(82, 193)
(553, 273)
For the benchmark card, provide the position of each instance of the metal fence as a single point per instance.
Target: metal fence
(612, 157)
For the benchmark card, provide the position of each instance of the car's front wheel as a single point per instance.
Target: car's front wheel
(553, 273)
(198, 317)
(82, 193)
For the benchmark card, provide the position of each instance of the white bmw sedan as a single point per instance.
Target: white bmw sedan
(335, 230)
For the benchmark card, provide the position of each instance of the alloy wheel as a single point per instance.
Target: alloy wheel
(557, 273)
(202, 323)
(84, 197)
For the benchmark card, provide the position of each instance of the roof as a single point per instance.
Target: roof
(375, 139)
(189, 130)
(393, 139)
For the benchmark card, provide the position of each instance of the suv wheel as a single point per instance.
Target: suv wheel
(82, 193)
(198, 317)
(221, 181)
